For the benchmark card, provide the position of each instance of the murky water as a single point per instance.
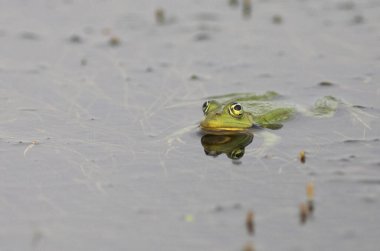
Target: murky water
(99, 106)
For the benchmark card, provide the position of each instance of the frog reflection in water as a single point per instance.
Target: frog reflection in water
(233, 145)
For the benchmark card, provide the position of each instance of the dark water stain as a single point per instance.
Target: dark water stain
(203, 36)
(223, 208)
(265, 75)
(28, 109)
(369, 199)
(29, 35)
(347, 5)
(83, 62)
(75, 39)
(377, 164)
(369, 181)
(207, 16)
(149, 69)
(347, 159)
(357, 19)
(349, 234)
(339, 173)
(237, 162)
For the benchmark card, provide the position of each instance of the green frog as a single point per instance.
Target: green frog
(239, 112)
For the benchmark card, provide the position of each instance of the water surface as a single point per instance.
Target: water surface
(99, 107)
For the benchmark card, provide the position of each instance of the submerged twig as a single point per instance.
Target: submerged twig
(30, 146)
(250, 222)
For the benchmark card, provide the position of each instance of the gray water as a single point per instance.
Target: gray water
(99, 106)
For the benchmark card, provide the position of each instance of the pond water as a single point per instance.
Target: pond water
(99, 110)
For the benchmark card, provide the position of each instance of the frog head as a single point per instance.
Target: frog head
(228, 117)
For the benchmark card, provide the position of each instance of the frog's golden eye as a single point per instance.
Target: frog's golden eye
(236, 154)
(236, 110)
(205, 107)
(209, 106)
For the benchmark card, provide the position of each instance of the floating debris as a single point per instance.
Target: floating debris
(160, 16)
(29, 147)
(306, 209)
(250, 222)
(247, 8)
(310, 196)
(302, 156)
(277, 19)
(326, 106)
(194, 77)
(304, 212)
(310, 191)
(114, 41)
(325, 83)
(310, 206)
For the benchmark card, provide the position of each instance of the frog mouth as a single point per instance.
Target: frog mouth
(223, 129)
(217, 126)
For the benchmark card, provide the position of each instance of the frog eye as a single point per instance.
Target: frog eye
(205, 107)
(236, 110)
(210, 106)
(236, 154)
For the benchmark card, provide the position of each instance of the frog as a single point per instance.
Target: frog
(228, 113)
(238, 112)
